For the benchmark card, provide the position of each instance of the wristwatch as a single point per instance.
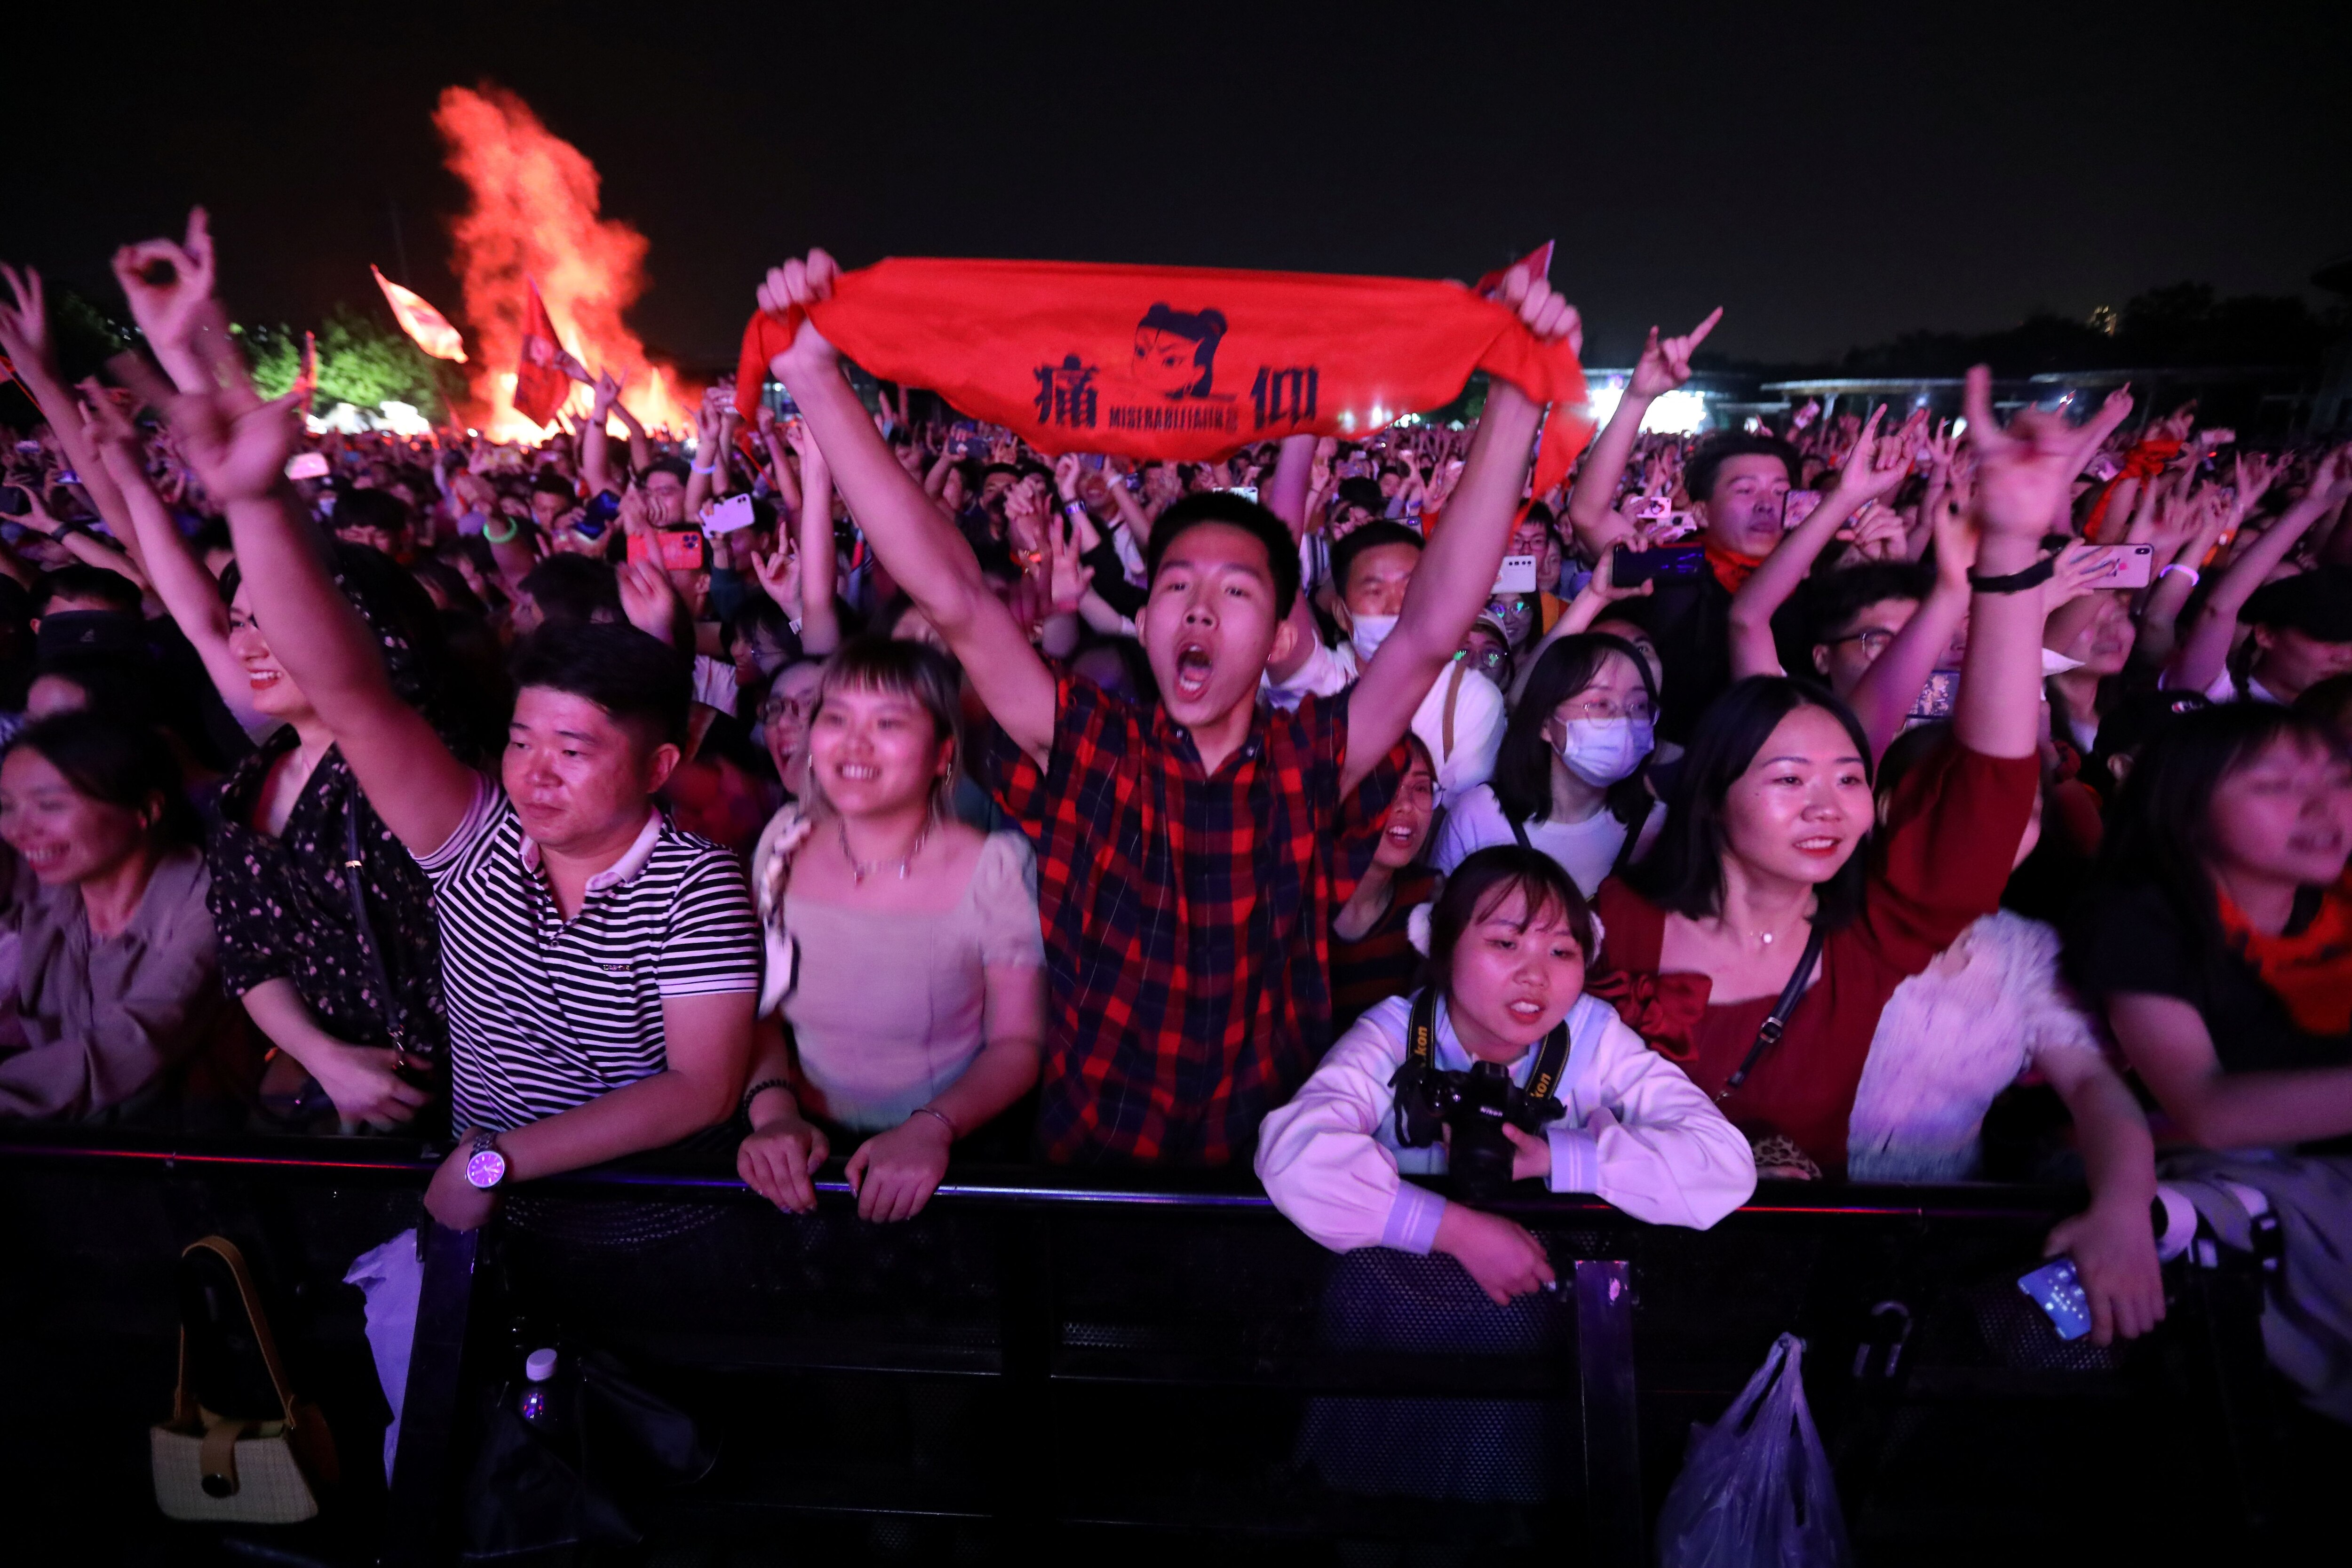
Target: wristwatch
(486, 1167)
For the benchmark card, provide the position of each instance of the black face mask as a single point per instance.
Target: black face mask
(92, 631)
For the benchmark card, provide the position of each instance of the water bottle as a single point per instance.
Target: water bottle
(538, 1403)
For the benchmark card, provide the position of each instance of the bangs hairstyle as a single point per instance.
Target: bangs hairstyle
(2161, 831)
(1705, 464)
(1522, 779)
(915, 671)
(1234, 512)
(1683, 870)
(1484, 883)
(115, 763)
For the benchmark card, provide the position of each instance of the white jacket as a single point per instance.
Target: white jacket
(1637, 1133)
(1477, 732)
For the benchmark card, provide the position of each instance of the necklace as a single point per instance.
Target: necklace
(861, 870)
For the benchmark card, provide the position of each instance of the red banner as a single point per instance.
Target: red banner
(1189, 363)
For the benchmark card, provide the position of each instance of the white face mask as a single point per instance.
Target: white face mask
(1603, 751)
(1367, 631)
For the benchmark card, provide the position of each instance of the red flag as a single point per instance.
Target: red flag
(306, 375)
(1537, 260)
(1174, 362)
(428, 327)
(540, 383)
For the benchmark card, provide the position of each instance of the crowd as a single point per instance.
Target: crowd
(1765, 804)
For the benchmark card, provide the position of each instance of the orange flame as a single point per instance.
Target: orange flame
(534, 215)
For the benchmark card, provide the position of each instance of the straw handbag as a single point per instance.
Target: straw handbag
(214, 1470)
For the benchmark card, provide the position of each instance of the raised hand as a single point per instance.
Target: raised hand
(1665, 363)
(1543, 310)
(1878, 465)
(795, 286)
(779, 573)
(170, 288)
(25, 325)
(648, 600)
(2024, 473)
(1068, 576)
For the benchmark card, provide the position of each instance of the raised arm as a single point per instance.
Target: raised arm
(2204, 651)
(2024, 474)
(1665, 365)
(813, 537)
(595, 441)
(25, 339)
(1287, 496)
(238, 445)
(921, 548)
(1457, 569)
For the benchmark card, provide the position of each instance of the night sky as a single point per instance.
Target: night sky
(1833, 176)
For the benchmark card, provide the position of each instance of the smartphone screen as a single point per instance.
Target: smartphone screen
(307, 466)
(1799, 507)
(1631, 568)
(2058, 1292)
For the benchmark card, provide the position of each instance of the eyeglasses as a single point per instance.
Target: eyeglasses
(776, 707)
(1485, 660)
(1637, 709)
(1873, 639)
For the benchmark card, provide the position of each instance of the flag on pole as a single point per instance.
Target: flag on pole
(542, 383)
(428, 327)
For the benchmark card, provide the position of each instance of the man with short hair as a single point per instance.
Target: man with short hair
(600, 966)
(1853, 615)
(2301, 627)
(1461, 721)
(1190, 856)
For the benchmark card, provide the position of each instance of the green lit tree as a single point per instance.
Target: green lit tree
(361, 362)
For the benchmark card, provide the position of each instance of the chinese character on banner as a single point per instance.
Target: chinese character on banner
(1066, 395)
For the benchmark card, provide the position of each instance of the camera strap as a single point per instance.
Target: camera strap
(1768, 1033)
(1421, 1047)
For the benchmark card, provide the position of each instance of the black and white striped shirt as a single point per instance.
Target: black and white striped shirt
(545, 1014)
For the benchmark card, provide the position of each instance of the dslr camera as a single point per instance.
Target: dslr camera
(1472, 1107)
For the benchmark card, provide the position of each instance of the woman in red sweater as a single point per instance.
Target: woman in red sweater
(1768, 855)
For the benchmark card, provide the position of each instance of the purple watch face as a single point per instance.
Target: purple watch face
(486, 1169)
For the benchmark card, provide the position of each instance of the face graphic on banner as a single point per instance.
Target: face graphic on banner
(1176, 351)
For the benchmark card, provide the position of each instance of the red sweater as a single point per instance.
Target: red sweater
(1944, 859)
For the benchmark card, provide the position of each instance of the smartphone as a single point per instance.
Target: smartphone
(1631, 568)
(1095, 460)
(29, 449)
(68, 477)
(1247, 492)
(1678, 524)
(604, 509)
(1935, 698)
(682, 549)
(1798, 506)
(2104, 469)
(1518, 575)
(2134, 564)
(1649, 509)
(729, 515)
(2058, 1292)
(307, 466)
(14, 501)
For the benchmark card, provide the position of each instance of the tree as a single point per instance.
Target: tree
(361, 362)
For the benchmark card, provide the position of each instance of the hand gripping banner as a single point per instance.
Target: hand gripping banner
(1183, 363)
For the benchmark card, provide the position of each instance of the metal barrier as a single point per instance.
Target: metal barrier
(1047, 1354)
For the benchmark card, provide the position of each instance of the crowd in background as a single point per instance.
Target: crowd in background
(858, 779)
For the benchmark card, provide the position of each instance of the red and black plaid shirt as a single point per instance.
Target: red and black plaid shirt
(1188, 918)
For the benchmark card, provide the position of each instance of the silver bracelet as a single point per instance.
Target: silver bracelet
(944, 1121)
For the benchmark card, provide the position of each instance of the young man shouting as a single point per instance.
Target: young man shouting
(1189, 855)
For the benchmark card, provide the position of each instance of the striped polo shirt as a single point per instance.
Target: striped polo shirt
(545, 1013)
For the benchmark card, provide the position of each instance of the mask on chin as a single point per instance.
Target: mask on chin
(1367, 633)
(1600, 752)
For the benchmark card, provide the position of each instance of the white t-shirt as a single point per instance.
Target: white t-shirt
(1586, 850)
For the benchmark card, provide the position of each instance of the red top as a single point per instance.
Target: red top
(1945, 856)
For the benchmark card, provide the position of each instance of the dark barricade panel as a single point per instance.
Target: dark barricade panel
(1056, 1361)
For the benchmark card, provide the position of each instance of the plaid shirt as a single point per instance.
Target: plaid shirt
(1188, 918)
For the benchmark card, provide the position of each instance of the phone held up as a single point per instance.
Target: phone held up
(682, 549)
(2133, 565)
(1518, 575)
(1670, 563)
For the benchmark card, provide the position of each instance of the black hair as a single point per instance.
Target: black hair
(1522, 777)
(377, 509)
(1234, 512)
(1204, 328)
(82, 580)
(1833, 600)
(116, 764)
(632, 676)
(573, 590)
(1483, 883)
(1372, 536)
(677, 468)
(1699, 473)
(1363, 493)
(2330, 703)
(454, 589)
(757, 613)
(120, 686)
(1682, 872)
(548, 482)
(1906, 752)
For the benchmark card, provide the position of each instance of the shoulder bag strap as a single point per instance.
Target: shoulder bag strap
(226, 1250)
(1768, 1033)
(1553, 1057)
(362, 927)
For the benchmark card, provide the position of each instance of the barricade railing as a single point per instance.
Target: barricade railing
(1055, 1306)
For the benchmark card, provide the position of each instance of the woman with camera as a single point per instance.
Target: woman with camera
(1595, 1110)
